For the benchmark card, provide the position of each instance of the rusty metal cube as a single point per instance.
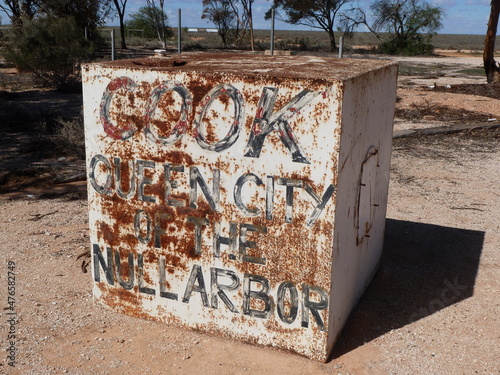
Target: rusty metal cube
(238, 194)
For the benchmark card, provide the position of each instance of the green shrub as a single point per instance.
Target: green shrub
(51, 48)
(303, 43)
(418, 45)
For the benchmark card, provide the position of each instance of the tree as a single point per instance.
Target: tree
(142, 20)
(120, 9)
(51, 48)
(232, 18)
(241, 21)
(221, 14)
(159, 19)
(19, 10)
(319, 14)
(247, 12)
(410, 24)
(491, 67)
(86, 13)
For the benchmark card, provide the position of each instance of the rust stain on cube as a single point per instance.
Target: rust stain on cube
(239, 195)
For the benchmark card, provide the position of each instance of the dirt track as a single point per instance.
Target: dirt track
(433, 307)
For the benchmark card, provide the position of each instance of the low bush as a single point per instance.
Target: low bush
(70, 135)
(60, 136)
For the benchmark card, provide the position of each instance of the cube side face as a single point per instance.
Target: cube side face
(212, 200)
(363, 175)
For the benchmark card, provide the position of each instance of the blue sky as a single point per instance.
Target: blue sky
(462, 16)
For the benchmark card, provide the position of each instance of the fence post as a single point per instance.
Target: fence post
(112, 44)
(179, 33)
(272, 32)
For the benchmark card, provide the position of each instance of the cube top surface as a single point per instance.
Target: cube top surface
(281, 67)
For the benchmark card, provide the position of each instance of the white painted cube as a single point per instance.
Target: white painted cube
(236, 194)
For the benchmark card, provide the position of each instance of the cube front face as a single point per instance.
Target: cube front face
(212, 199)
